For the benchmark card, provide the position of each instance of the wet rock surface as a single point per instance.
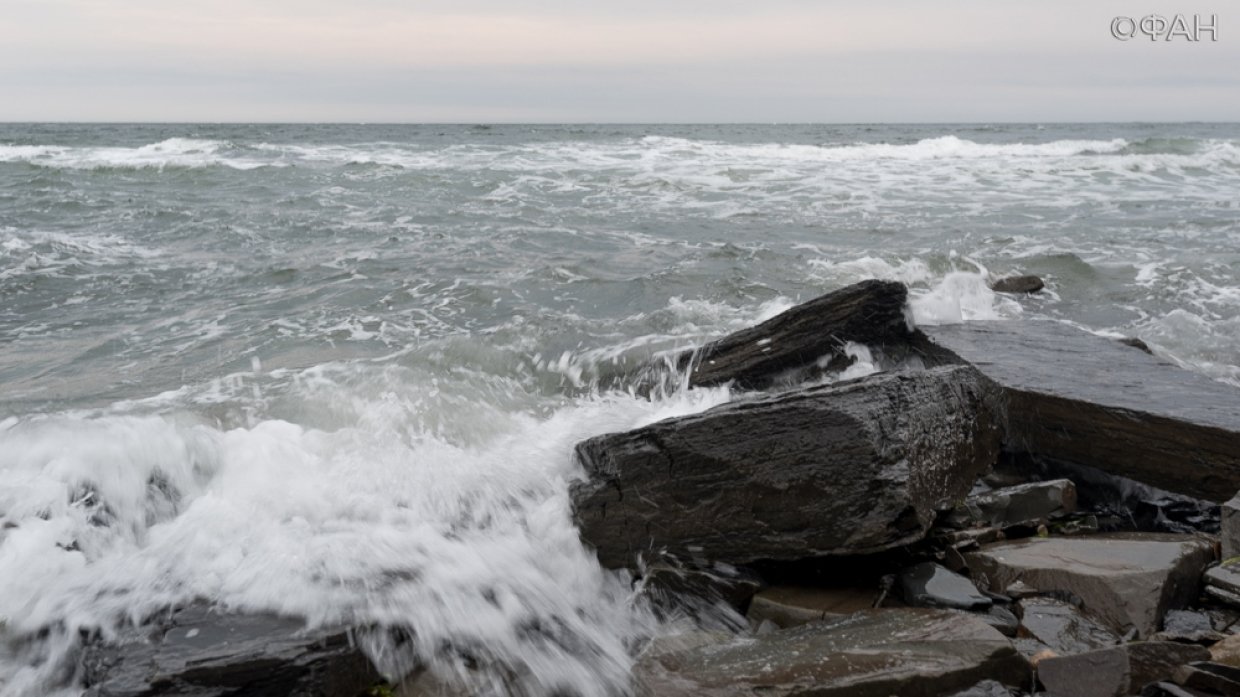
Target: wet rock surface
(1033, 501)
(1017, 284)
(200, 652)
(930, 585)
(870, 312)
(877, 653)
(1082, 398)
(1117, 671)
(856, 467)
(1061, 627)
(791, 606)
(1127, 580)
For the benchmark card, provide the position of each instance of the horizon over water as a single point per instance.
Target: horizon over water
(337, 371)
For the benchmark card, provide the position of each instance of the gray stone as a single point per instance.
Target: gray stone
(1081, 398)
(1117, 671)
(986, 688)
(856, 467)
(870, 312)
(1002, 619)
(1229, 536)
(1017, 284)
(1061, 627)
(1189, 626)
(1128, 580)
(1023, 503)
(911, 652)
(1223, 581)
(1212, 677)
(930, 585)
(789, 606)
(198, 652)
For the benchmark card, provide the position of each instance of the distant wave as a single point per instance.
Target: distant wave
(172, 152)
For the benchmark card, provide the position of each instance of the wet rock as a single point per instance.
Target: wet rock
(1023, 503)
(1127, 580)
(1117, 671)
(197, 651)
(1229, 535)
(1017, 284)
(986, 688)
(1061, 627)
(1136, 343)
(930, 585)
(1227, 651)
(790, 606)
(1223, 582)
(1211, 677)
(1188, 626)
(1170, 689)
(876, 653)
(1003, 620)
(1080, 398)
(665, 583)
(870, 312)
(857, 467)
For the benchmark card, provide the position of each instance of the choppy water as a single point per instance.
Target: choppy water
(337, 371)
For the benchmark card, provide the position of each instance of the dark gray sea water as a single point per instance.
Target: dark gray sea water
(337, 371)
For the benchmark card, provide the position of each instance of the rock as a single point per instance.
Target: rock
(1223, 581)
(1115, 672)
(197, 651)
(1002, 619)
(1017, 284)
(1211, 677)
(1136, 343)
(1061, 627)
(1189, 626)
(851, 468)
(1023, 503)
(986, 688)
(790, 606)
(1227, 651)
(1169, 689)
(870, 312)
(1080, 398)
(877, 653)
(929, 585)
(1229, 535)
(1128, 580)
(665, 582)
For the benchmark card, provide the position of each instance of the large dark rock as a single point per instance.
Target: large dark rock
(849, 468)
(198, 652)
(870, 312)
(1081, 398)
(1128, 580)
(1117, 671)
(1017, 284)
(909, 652)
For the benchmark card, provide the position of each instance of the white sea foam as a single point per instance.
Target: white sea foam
(172, 152)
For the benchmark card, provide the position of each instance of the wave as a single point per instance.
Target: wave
(172, 152)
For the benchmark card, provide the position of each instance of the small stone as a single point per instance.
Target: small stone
(930, 585)
(1014, 505)
(790, 606)
(1002, 619)
(1188, 626)
(1017, 284)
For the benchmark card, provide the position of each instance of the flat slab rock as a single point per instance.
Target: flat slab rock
(1090, 400)
(1118, 671)
(1127, 580)
(198, 652)
(911, 652)
(849, 468)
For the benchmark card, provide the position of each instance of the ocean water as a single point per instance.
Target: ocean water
(337, 371)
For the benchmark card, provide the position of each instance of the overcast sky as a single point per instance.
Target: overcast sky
(636, 60)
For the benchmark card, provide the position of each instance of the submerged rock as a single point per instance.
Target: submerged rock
(1128, 580)
(1081, 398)
(913, 652)
(199, 652)
(1017, 284)
(1117, 671)
(930, 585)
(857, 467)
(790, 606)
(869, 312)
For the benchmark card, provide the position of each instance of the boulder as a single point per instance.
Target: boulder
(790, 606)
(1229, 535)
(1117, 671)
(1061, 627)
(1223, 581)
(1127, 580)
(1023, 503)
(870, 312)
(855, 467)
(196, 651)
(930, 585)
(1017, 284)
(1210, 677)
(911, 652)
(1085, 399)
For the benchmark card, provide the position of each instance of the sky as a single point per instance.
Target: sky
(589, 61)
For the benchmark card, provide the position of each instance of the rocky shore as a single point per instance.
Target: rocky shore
(1005, 508)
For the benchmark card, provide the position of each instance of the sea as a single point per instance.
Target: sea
(337, 371)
